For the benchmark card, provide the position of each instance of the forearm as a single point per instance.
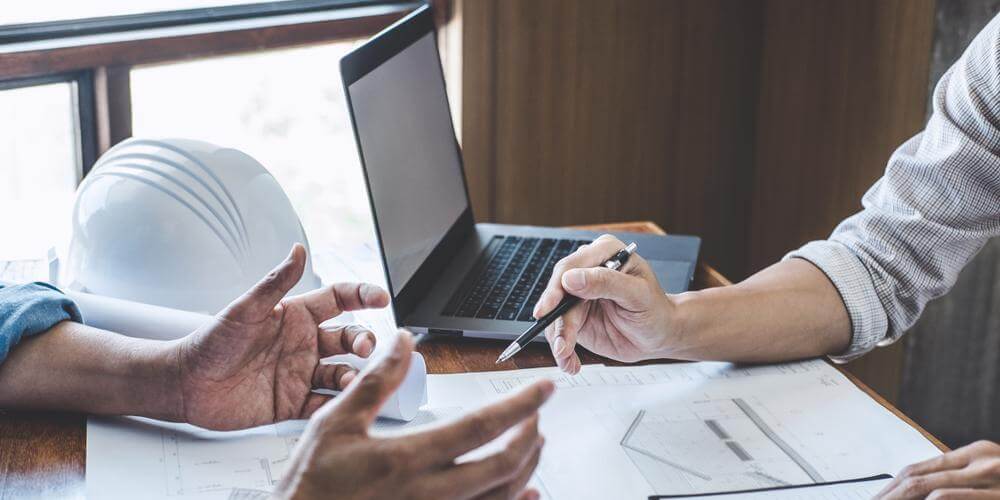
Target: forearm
(77, 368)
(787, 311)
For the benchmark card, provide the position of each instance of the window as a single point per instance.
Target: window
(290, 116)
(77, 81)
(38, 167)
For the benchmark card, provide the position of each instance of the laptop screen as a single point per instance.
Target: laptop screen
(408, 142)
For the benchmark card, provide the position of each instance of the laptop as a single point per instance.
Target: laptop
(447, 274)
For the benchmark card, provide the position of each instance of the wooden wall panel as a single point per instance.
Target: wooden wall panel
(755, 124)
(843, 83)
(626, 110)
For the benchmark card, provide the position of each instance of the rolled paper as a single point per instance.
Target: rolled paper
(411, 394)
(135, 319)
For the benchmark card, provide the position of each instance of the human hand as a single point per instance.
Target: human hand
(624, 315)
(257, 361)
(336, 456)
(970, 472)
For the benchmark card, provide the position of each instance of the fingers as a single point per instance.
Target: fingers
(628, 292)
(964, 494)
(529, 494)
(258, 302)
(918, 487)
(562, 334)
(587, 256)
(329, 301)
(357, 407)
(516, 487)
(974, 466)
(447, 442)
(335, 376)
(313, 403)
(346, 339)
(472, 479)
(953, 460)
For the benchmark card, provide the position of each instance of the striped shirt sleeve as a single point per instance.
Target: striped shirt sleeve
(935, 207)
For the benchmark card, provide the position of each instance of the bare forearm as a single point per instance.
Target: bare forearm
(787, 311)
(77, 368)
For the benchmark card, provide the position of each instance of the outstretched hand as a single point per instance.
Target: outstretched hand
(336, 456)
(257, 361)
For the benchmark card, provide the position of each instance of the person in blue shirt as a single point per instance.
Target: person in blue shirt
(255, 363)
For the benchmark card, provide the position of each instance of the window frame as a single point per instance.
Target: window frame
(97, 55)
(81, 100)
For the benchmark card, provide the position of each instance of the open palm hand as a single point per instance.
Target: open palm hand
(257, 361)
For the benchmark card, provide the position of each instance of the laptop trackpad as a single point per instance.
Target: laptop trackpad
(674, 275)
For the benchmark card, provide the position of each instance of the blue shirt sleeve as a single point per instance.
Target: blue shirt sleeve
(30, 309)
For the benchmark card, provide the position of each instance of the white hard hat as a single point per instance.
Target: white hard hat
(180, 223)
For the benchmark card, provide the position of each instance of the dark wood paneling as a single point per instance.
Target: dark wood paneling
(616, 110)
(478, 103)
(842, 85)
(951, 380)
(757, 125)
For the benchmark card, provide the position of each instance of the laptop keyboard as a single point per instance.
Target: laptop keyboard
(508, 278)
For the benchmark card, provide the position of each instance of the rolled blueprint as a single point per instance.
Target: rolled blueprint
(135, 319)
(412, 393)
(147, 321)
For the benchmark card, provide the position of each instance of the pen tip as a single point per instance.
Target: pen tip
(508, 353)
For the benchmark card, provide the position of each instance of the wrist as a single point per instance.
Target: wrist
(677, 322)
(168, 396)
(148, 379)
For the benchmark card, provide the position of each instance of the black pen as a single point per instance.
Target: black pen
(616, 262)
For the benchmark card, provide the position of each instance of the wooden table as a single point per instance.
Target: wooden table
(42, 454)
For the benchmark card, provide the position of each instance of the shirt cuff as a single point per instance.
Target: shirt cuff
(849, 275)
(29, 310)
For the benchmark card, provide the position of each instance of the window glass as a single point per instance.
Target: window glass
(38, 168)
(15, 12)
(286, 109)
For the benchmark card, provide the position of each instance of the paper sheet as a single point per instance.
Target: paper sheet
(611, 432)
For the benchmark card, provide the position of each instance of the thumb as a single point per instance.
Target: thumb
(258, 302)
(592, 283)
(356, 408)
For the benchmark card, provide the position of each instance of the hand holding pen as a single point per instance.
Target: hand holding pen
(622, 314)
(614, 263)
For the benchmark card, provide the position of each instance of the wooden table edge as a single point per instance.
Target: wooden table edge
(714, 278)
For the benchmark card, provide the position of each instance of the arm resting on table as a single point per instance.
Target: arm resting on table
(78, 368)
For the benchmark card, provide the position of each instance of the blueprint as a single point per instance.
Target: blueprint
(611, 432)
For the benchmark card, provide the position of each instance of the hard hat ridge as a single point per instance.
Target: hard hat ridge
(184, 174)
(179, 223)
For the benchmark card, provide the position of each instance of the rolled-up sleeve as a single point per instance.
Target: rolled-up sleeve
(31, 309)
(935, 207)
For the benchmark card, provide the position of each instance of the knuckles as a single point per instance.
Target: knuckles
(915, 486)
(985, 446)
(991, 470)
(908, 471)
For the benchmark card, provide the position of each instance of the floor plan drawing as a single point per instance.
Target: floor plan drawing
(712, 445)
